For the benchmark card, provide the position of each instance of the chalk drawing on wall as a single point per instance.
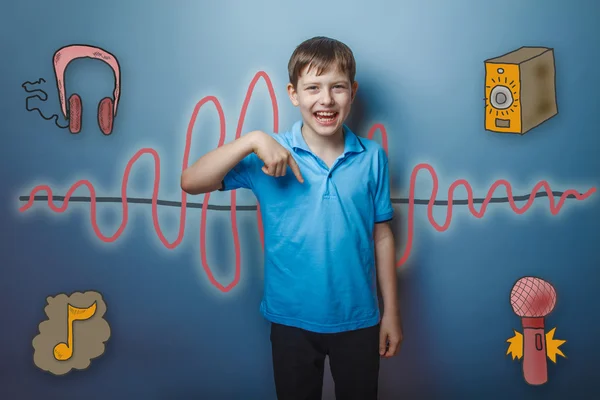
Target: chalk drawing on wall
(533, 299)
(74, 333)
(411, 201)
(520, 90)
(107, 108)
(35, 87)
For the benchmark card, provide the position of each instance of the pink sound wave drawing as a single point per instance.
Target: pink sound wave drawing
(554, 208)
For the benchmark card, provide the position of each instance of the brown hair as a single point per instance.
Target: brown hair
(321, 52)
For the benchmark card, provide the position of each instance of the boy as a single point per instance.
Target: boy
(326, 232)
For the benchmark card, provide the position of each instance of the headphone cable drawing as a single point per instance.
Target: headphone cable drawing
(53, 116)
(554, 208)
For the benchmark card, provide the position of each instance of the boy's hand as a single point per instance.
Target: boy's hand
(390, 335)
(274, 155)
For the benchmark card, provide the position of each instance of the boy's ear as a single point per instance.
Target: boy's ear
(293, 94)
(354, 90)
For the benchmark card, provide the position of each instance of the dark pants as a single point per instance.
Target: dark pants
(299, 356)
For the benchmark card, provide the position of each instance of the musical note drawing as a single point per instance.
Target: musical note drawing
(64, 351)
(59, 351)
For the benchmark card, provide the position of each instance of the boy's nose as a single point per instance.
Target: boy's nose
(326, 98)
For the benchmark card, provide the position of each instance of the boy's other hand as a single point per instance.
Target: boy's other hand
(390, 335)
(274, 155)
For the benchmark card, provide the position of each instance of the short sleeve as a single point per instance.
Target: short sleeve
(383, 202)
(240, 176)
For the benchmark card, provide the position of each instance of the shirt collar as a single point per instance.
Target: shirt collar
(351, 142)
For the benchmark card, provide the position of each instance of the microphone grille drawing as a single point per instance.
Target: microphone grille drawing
(532, 297)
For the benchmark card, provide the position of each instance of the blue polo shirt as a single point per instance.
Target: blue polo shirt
(319, 261)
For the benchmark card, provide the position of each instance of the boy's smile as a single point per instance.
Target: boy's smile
(324, 101)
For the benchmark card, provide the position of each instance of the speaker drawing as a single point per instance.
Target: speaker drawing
(520, 90)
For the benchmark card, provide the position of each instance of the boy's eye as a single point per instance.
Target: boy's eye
(334, 86)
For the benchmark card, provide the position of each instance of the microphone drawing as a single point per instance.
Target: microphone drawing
(533, 299)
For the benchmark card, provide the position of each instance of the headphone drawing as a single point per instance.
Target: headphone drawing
(107, 108)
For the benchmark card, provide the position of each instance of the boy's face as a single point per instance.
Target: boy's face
(324, 100)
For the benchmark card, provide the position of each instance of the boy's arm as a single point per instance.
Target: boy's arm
(391, 334)
(230, 164)
(383, 237)
(207, 173)
(385, 255)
